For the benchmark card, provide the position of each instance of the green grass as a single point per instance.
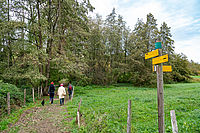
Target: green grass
(196, 77)
(104, 109)
(14, 116)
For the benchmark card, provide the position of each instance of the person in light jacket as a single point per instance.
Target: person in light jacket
(61, 94)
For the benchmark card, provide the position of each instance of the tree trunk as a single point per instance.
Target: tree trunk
(49, 45)
(40, 38)
(9, 49)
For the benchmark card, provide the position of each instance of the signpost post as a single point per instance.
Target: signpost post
(160, 94)
(158, 61)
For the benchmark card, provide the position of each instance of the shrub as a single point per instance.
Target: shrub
(16, 96)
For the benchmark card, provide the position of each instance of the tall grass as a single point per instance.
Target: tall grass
(104, 109)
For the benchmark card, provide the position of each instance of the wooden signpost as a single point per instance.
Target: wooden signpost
(160, 97)
(159, 68)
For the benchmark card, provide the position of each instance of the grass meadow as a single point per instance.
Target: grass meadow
(104, 109)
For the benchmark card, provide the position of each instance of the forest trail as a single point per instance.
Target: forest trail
(43, 119)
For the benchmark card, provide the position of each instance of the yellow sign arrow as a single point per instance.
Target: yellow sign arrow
(160, 59)
(151, 54)
(167, 68)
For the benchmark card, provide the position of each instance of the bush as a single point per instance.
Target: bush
(84, 81)
(16, 96)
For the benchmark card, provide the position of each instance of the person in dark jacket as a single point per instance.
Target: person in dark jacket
(51, 92)
(70, 90)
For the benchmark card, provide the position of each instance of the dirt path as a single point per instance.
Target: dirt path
(43, 119)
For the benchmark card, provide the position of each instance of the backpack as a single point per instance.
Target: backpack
(70, 87)
(51, 89)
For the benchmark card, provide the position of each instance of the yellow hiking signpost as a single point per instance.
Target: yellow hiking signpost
(159, 68)
(160, 59)
(165, 68)
(152, 54)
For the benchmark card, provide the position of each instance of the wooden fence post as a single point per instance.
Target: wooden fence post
(24, 96)
(66, 98)
(33, 95)
(78, 118)
(38, 92)
(173, 121)
(129, 117)
(8, 102)
(41, 93)
(78, 114)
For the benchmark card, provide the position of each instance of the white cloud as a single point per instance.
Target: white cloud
(125, 1)
(104, 7)
(190, 48)
(140, 10)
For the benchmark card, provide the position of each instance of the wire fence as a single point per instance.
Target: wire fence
(18, 99)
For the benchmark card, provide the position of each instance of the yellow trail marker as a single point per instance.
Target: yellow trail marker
(160, 59)
(151, 54)
(167, 68)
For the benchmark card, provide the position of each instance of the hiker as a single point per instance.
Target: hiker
(61, 94)
(70, 90)
(51, 92)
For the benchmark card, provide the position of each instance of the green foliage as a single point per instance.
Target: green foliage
(181, 72)
(84, 81)
(194, 68)
(16, 96)
(51, 40)
(104, 109)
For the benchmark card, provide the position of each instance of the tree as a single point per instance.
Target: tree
(55, 40)
(165, 38)
(97, 58)
(181, 72)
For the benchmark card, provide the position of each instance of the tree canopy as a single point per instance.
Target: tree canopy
(55, 40)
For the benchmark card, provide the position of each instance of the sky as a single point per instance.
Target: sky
(183, 16)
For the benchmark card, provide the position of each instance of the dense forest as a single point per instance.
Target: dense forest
(56, 40)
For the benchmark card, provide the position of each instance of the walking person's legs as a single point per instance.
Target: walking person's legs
(60, 101)
(52, 96)
(70, 95)
(52, 100)
(49, 99)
